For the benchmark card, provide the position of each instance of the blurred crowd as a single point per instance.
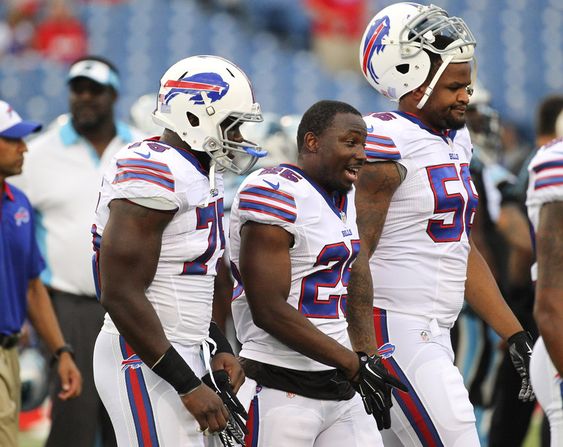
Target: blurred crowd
(48, 27)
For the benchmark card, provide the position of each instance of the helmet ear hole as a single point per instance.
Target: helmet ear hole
(193, 119)
(403, 68)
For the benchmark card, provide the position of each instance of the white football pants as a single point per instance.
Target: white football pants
(144, 409)
(548, 387)
(282, 419)
(436, 412)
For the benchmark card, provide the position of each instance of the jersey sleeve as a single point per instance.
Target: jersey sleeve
(136, 176)
(380, 144)
(268, 200)
(546, 175)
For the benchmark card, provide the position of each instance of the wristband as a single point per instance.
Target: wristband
(221, 342)
(64, 348)
(173, 368)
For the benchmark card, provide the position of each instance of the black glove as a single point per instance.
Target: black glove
(233, 434)
(374, 386)
(520, 349)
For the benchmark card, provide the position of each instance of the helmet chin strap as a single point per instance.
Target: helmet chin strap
(434, 81)
(212, 190)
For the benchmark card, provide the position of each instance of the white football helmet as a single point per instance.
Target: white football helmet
(199, 93)
(391, 51)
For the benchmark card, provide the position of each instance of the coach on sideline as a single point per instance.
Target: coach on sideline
(20, 266)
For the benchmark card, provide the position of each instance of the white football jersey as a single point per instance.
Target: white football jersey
(326, 242)
(420, 264)
(192, 243)
(545, 182)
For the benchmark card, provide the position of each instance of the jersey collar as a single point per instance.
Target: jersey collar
(70, 136)
(337, 202)
(184, 153)
(6, 190)
(445, 135)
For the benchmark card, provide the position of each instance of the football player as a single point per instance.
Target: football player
(416, 202)
(544, 202)
(293, 239)
(158, 235)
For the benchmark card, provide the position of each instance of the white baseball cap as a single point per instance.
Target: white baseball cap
(11, 124)
(95, 70)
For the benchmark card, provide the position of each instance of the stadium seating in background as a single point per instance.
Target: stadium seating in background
(520, 53)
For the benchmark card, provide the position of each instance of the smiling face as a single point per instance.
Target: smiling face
(339, 151)
(447, 104)
(11, 157)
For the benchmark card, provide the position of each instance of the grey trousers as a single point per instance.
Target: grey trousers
(80, 421)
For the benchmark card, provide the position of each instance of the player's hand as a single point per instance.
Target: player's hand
(374, 386)
(520, 350)
(236, 425)
(207, 408)
(229, 363)
(71, 379)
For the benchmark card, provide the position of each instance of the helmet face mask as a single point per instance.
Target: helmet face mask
(197, 95)
(394, 49)
(431, 28)
(238, 157)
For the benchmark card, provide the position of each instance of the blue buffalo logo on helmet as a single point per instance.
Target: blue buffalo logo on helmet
(374, 43)
(210, 83)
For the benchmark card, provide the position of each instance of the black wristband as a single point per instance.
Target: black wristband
(173, 368)
(64, 348)
(220, 340)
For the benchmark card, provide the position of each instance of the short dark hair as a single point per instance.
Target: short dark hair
(101, 59)
(546, 116)
(320, 116)
(436, 62)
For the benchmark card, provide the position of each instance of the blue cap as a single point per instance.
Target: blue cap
(11, 124)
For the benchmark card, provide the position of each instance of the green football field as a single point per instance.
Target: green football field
(36, 437)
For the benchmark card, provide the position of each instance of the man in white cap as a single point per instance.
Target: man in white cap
(61, 176)
(22, 294)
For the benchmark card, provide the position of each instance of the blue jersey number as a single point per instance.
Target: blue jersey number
(209, 217)
(445, 202)
(309, 303)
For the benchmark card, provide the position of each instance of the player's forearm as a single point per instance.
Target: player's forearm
(485, 298)
(360, 307)
(548, 312)
(375, 188)
(137, 321)
(42, 316)
(290, 327)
